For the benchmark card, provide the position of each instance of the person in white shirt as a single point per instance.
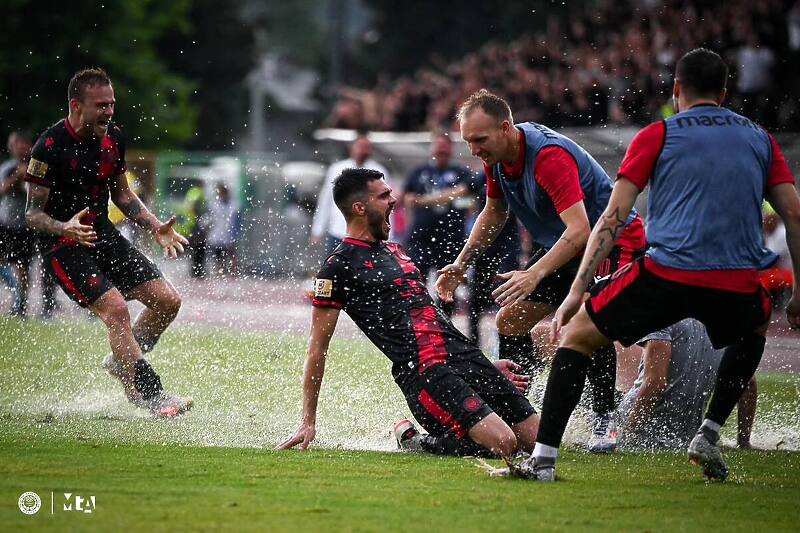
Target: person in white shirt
(224, 230)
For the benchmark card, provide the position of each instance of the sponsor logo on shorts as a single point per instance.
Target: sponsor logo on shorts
(29, 503)
(323, 288)
(472, 404)
(37, 168)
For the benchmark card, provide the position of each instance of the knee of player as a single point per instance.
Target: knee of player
(172, 302)
(115, 313)
(506, 444)
(507, 321)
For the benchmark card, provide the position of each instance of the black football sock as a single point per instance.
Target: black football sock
(146, 342)
(602, 376)
(450, 445)
(564, 388)
(146, 380)
(736, 368)
(520, 349)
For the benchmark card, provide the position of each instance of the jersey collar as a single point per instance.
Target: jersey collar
(71, 131)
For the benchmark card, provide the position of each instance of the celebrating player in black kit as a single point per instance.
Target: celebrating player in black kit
(73, 167)
(450, 386)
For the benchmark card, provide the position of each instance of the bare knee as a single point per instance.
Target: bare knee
(513, 320)
(170, 302)
(582, 335)
(526, 432)
(505, 444)
(494, 434)
(113, 311)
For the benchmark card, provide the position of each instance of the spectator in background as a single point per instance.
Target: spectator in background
(755, 63)
(777, 279)
(329, 226)
(438, 194)
(193, 224)
(223, 231)
(604, 62)
(17, 241)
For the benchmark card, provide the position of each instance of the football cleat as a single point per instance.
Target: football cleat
(529, 467)
(604, 434)
(707, 456)
(407, 436)
(166, 405)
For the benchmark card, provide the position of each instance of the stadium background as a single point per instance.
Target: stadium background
(264, 95)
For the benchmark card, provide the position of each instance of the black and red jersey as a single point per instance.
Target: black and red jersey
(78, 172)
(384, 293)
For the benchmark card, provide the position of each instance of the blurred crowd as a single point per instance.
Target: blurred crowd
(610, 63)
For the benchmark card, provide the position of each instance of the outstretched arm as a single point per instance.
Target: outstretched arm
(487, 227)
(601, 241)
(131, 205)
(323, 324)
(520, 283)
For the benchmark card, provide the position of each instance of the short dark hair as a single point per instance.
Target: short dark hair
(351, 185)
(87, 77)
(702, 72)
(490, 103)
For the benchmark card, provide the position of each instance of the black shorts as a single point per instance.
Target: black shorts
(554, 288)
(86, 274)
(449, 398)
(17, 245)
(635, 302)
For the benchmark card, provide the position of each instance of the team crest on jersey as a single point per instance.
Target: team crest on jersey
(472, 403)
(323, 288)
(37, 168)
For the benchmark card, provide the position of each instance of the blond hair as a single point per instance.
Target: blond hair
(489, 103)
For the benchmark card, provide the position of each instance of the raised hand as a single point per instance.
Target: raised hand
(450, 277)
(170, 240)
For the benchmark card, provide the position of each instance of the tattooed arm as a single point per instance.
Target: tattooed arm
(40, 221)
(131, 205)
(606, 232)
(486, 229)
(601, 241)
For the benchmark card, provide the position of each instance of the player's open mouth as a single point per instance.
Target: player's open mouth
(386, 218)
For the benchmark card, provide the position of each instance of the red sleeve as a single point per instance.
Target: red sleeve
(778, 169)
(557, 173)
(493, 189)
(640, 159)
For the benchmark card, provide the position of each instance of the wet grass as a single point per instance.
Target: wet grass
(65, 428)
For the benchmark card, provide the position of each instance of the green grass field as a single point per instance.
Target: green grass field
(64, 427)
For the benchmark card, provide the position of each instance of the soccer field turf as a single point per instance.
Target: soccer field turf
(64, 428)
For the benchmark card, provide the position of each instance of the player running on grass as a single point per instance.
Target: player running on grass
(558, 191)
(451, 388)
(709, 170)
(74, 167)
